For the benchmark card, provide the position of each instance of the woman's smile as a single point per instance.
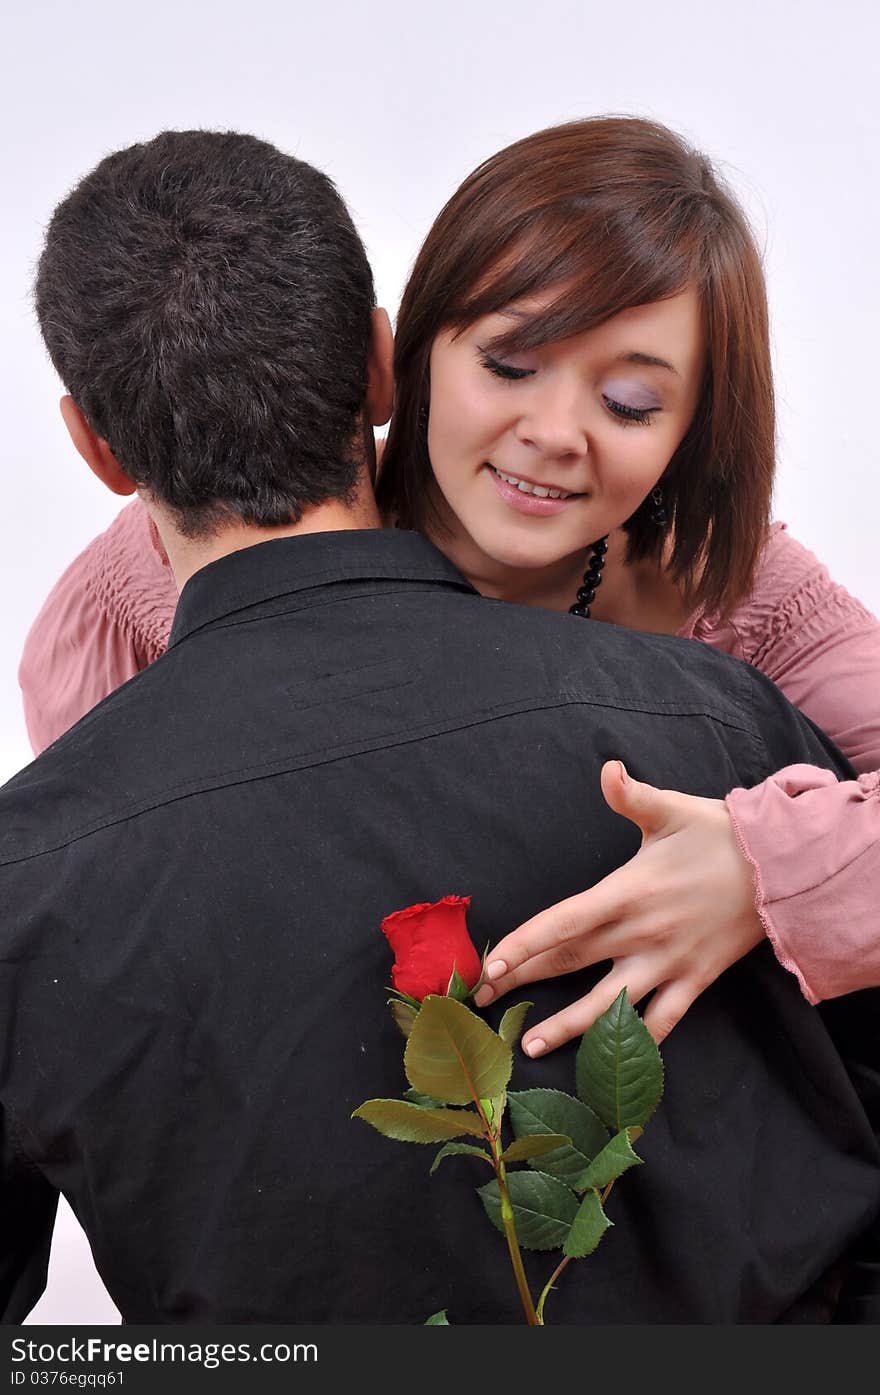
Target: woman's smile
(529, 497)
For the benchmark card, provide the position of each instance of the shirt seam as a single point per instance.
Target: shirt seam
(325, 755)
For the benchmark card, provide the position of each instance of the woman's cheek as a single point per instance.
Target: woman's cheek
(467, 426)
(631, 468)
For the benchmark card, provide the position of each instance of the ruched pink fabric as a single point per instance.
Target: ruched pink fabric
(107, 617)
(813, 842)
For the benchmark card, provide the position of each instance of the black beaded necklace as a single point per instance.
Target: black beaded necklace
(592, 578)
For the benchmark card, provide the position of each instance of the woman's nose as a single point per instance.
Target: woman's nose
(554, 421)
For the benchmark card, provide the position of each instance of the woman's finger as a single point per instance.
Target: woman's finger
(566, 928)
(652, 810)
(553, 962)
(668, 1006)
(575, 1019)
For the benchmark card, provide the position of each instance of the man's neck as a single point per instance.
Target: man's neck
(189, 555)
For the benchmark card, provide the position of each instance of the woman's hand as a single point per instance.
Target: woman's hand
(672, 918)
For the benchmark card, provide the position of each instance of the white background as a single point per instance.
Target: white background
(398, 101)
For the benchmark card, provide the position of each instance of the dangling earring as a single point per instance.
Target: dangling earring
(658, 510)
(592, 578)
(423, 417)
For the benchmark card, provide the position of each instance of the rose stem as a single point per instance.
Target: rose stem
(512, 1243)
(492, 1135)
(561, 1265)
(549, 1284)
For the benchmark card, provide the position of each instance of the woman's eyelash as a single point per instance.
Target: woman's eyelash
(640, 416)
(636, 416)
(504, 370)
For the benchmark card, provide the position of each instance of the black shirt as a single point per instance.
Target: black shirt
(192, 976)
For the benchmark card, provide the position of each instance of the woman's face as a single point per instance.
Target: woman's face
(538, 454)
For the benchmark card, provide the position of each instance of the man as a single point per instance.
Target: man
(193, 877)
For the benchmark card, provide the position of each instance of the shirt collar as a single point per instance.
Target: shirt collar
(284, 566)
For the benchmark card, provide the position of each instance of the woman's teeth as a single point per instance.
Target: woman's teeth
(535, 489)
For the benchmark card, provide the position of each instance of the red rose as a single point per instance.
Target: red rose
(428, 940)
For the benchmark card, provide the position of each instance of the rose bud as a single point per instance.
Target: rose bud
(429, 940)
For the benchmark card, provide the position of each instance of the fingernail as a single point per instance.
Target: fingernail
(623, 775)
(484, 995)
(536, 1047)
(496, 968)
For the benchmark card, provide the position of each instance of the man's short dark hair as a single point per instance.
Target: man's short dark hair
(207, 303)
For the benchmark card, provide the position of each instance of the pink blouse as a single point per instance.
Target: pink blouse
(813, 841)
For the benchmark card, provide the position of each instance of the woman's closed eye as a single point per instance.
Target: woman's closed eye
(508, 372)
(635, 416)
(627, 413)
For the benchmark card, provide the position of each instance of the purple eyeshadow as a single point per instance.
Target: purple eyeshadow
(634, 395)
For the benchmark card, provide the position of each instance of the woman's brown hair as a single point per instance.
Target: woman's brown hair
(615, 212)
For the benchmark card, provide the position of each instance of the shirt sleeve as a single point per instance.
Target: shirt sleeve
(813, 841)
(28, 1203)
(107, 617)
(853, 1022)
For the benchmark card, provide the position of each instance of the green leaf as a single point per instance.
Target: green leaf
(543, 1209)
(437, 1319)
(493, 1109)
(456, 987)
(619, 1072)
(404, 1015)
(534, 1146)
(453, 1055)
(449, 1148)
(423, 1101)
(408, 1123)
(510, 1027)
(404, 998)
(615, 1159)
(590, 1224)
(554, 1112)
(499, 1104)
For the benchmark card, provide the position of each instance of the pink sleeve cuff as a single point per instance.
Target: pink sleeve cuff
(813, 843)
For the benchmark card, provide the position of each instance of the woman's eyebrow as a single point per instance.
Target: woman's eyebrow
(511, 312)
(650, 360)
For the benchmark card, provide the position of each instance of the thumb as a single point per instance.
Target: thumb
(642, 804)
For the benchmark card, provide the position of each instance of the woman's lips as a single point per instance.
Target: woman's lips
(529, 503)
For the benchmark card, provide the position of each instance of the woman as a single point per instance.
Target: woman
(584, 421)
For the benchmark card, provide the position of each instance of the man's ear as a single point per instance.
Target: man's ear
(380, 371)
(94, 450)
